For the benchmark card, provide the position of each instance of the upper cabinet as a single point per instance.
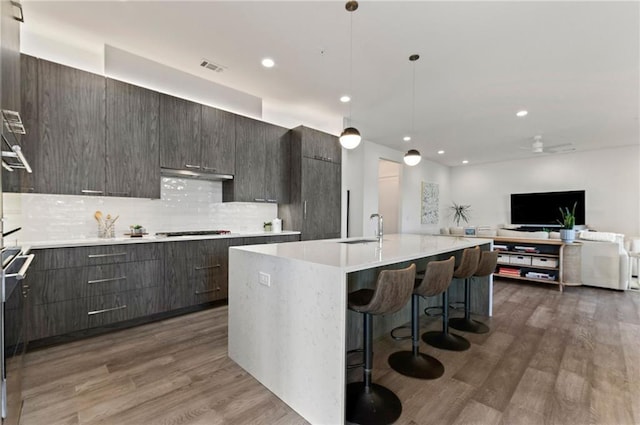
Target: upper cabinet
(180, 133)
(132, 148)
(319, 145)
(196, 137)
(71, 125)
(262, 163)
(218, 141)
(315, 199)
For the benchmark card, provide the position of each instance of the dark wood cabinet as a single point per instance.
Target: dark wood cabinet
(321, 200)
(71, 126)
(262, 163)
(180, 133)
(73, 289)
(315, 200)
(20, 180)
(319, 145)
(132, 148)
(218, 141)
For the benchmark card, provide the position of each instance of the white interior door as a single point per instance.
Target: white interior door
(389, 194)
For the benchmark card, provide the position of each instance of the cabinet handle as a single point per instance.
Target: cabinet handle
(106, 255)
(209, 169)
(207, 267)
(208, 291)
(259, 199)
(110, 279)
(119, 193)
(304, 210)
(89, 191)
(191, 166)
(106, 310)
(273, 201)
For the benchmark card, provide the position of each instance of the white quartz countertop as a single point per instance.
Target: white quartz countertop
(144, 239)
(350, 257)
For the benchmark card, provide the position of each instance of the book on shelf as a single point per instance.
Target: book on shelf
(539, 275)
(530, 249)
(500, 247)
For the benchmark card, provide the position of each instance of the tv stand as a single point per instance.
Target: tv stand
(548, 261)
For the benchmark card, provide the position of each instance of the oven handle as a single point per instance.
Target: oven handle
(23, 270)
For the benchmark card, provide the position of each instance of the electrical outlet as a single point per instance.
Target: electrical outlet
(264, 279)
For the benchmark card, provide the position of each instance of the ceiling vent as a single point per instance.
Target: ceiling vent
(205, 63)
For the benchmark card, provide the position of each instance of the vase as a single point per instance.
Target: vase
(567, 235)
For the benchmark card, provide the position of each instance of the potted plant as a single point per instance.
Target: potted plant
(267, 226)
(568, 222)
(460, 212)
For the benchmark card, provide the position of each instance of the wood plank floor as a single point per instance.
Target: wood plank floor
(550, 358)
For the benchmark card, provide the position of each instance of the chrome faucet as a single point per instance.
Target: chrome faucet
(380, 230)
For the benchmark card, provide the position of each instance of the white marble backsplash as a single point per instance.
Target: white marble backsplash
(185, 204)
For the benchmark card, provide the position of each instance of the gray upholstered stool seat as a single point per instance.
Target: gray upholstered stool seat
(444, 339)
(366, 402)
(486, 266)
(413, 363)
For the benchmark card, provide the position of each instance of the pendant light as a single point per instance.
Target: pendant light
(350, 137)
(412, 157)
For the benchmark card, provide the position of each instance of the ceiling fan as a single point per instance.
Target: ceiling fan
(537, 146)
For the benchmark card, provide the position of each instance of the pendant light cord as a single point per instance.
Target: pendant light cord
(350, 62)
(413, 101)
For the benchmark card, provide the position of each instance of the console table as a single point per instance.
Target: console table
(549, 261)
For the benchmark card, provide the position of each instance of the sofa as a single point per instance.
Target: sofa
(604, 259)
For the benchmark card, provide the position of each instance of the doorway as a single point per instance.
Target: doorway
(389, 194)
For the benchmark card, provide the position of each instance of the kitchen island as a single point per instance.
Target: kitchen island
(288, 320)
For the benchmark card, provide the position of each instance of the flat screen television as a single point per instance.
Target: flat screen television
(543, 209)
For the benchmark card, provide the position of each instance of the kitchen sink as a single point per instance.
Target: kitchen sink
(353, 241)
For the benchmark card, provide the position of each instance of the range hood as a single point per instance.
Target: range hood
(194, 174)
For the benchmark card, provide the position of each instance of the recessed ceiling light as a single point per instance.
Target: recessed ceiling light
(406, 138)
(345, 99)
(465, 162)
(440, 152)
(522, 113)
(268, 63)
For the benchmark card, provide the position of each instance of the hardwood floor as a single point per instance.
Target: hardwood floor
(550, 358)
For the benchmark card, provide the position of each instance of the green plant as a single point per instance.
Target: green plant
(267, 225)
(568, 217)
(460, 212)
(135, 227)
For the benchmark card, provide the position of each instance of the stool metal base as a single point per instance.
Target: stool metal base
(419, 365)
(375, 405)
(468, 325)
(446, 341)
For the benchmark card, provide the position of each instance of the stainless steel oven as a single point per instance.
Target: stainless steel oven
(13, 337)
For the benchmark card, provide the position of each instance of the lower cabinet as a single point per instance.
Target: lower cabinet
(74, 289)
(196, 271)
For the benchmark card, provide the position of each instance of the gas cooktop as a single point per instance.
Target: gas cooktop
(194, 233)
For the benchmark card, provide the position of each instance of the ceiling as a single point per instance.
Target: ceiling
(573, 65)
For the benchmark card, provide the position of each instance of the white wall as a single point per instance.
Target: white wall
(611, 178)
(360, 176)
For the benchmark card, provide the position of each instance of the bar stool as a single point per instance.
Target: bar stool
(486, 266)
(444, 339)
(414, 363)
(366, 402)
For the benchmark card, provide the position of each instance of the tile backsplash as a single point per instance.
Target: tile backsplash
(185, 204)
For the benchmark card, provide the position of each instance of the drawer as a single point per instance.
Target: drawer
(113, 308)
(211, 289)
(521, 260)
(503, 258)
(544, 262)
(57, 318)
(57, 258)
(80, 282)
